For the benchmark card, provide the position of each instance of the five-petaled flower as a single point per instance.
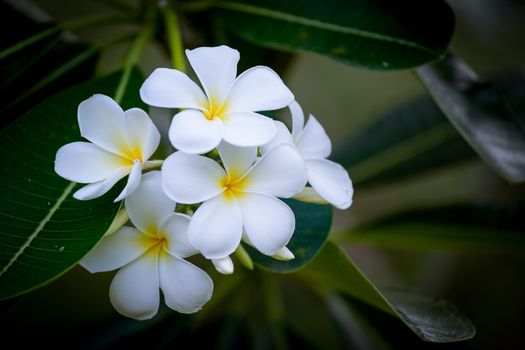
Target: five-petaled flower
(243, 195)
(151, 256)
(121, 144)
(327, 178)
(226, 109)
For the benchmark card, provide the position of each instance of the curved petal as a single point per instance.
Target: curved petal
(297, 119)
(280, 173)
(133, 181)
(283, 254)
(282, 136)
(191, 132)
(216, 68)
(224, 265)
(85, 162)
(100, 188)
(141, 133)
(134, 291)
(170, 88)
(189, 179)
(216, 227)
(309, 195)
(186, 288)
(101, 121)
(257, 89)
(175, 229)
(314, 143)
(117, 250)
(248, 129)
(236, 160)
(331, 181)
(268, 236)
(149, 206)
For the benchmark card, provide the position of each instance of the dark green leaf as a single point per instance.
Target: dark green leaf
(370, 33)
(433, 320)
(411, 138)
(39, 70)
(490, 116)
(312, 225)
(43, 230)
(467, 228)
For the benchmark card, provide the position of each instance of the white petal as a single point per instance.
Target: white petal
(309, 195)
(248, 129)
(175, 229)
(134, 291)
(85, 162)
(282, 136)
(283, 254)
(149, 206)
(98, 189)
(133, 181)
(258, 89)
(280, 173)
(314, 143)
(141, 133)
(186, 288)
(189, 179)
(170, 88)
(117, 250)
(297, 119)
(192, 132)
(236, 160)
(331, 181)
(216, 68)
(224, 265)
(269, 223)
(101, 121)
(216, 227)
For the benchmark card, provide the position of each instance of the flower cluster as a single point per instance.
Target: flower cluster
(232, 166)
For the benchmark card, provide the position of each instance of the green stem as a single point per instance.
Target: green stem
(244, 257)
(135, 52)
(174, 38)
(69, 25)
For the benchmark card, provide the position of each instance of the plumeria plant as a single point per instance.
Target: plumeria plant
(163, 167)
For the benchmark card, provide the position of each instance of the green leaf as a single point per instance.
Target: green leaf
(369, 33)
(463, 228)
(43, 230)
(312, 225)
(490, 116)
(434, 320)
(408, 140)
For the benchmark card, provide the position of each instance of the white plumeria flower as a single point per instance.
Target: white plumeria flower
(121, 144)
(151, 256)
(226, 109)
(243, 195)
(328, 179)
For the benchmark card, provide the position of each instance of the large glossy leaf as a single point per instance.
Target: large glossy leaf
(464, 228)
(408, 140)
(434, 320)
(370, 33)
(490, 116)
(312, 225)
(43, 230)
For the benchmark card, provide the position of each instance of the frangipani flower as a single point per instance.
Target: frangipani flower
(240, 196)
(226, 109)
(121, 144)
(151, 256)
(327, 178)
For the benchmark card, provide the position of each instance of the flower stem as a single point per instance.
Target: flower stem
(174, 37)
(243, 257)
(134, 53)
(152, 164)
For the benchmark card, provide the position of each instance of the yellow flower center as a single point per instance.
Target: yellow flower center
(234, 185)
(131, 154)
(214, 109)
(154, 241)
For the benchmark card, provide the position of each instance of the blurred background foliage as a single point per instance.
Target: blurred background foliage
(429, 215)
